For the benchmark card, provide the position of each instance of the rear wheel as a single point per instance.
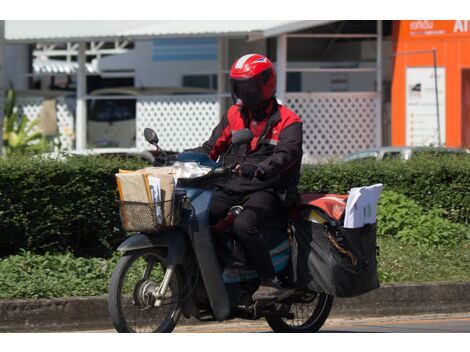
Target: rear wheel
(307, 314)
(132, 303)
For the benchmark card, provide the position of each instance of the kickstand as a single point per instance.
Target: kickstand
(256, 310)
(259, 308)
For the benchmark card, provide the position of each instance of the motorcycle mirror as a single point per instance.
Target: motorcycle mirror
(151, 136)
(243, 136)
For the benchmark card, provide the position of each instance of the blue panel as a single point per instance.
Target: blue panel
(184, 49)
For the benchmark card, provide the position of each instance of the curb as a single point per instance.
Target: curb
(407, 299)
(87, 313)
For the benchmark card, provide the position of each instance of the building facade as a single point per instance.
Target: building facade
(111, 83)
(431, 83)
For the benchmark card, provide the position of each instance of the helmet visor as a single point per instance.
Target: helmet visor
(247, 92)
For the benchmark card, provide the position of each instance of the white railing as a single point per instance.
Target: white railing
(65, 110)
(334, 123)
(181, 122)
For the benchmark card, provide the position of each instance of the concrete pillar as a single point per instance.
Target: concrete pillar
(378, 118)
(221, 75)
(281, 67)
(80, 115)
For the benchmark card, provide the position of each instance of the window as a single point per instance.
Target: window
(200, 81)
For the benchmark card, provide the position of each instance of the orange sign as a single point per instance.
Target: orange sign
(429, 28)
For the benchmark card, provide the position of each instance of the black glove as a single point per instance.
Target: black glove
(249, 171)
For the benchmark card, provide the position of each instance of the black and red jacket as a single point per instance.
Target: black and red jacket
(276, 148)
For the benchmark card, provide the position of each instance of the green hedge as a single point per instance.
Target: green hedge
(434, 182)
(57, 206)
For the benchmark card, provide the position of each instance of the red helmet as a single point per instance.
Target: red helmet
(252, 80)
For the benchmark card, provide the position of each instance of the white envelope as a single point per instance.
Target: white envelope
(155, 192)
(361, 207)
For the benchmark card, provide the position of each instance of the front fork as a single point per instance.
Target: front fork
(160, 291)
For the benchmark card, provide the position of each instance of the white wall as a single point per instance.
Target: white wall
(149, 73)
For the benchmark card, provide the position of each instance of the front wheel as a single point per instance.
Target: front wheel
(132, 302)
(307, 314)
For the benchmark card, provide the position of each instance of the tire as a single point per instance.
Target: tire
(128, 311)
(320, 307)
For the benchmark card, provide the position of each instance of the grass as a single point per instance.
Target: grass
(62, 275)
(400, 262)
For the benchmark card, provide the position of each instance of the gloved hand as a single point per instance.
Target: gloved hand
(249, 170)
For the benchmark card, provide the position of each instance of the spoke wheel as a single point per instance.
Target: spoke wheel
(307, 314)
(131, 300)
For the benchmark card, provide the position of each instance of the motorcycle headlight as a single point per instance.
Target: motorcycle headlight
(189, 169)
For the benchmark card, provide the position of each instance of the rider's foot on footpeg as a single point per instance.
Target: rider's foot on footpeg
(267, 291)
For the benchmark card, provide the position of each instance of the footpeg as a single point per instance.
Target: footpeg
(285, 294)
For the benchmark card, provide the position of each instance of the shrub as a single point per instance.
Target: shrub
(432, 230)
(396, 212)
(401, 217)
(21, 136)
(433, 182)
(58, 206)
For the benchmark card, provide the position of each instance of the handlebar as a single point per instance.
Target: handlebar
(224, 171)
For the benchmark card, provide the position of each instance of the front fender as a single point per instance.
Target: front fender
(174, 240)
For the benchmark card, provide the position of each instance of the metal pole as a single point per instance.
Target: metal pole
(221, 75)
(434, 57)
(437, 97)
(281, 66)
(378, 117)
(81, 102)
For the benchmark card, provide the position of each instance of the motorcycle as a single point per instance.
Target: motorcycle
(179, 270)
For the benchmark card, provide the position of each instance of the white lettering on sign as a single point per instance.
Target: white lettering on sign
(461, 26)
(421, 25)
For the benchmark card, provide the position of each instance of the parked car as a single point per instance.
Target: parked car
(404, 153)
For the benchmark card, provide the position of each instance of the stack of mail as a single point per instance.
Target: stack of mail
(152, 186)
(361, 207)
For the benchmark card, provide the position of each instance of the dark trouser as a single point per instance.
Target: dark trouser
(258, 207)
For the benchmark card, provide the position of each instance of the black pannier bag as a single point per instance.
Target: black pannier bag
(335, 260)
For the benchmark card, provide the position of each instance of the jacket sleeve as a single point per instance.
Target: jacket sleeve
(218, 142)
(287, 152)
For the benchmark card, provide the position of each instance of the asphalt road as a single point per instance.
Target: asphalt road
(445, 323)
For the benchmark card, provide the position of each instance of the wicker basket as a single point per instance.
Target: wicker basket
(151, 217)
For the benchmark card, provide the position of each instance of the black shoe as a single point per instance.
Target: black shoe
(267, 291)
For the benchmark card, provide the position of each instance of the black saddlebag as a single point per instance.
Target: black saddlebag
(335, 260)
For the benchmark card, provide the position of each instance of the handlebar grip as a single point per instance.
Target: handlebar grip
(228, 170)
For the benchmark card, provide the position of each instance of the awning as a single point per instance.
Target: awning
(62, 31)
(59, 66)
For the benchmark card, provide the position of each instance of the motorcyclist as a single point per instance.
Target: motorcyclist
(269, 165)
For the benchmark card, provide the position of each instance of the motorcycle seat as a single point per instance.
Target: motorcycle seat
(332, 205)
